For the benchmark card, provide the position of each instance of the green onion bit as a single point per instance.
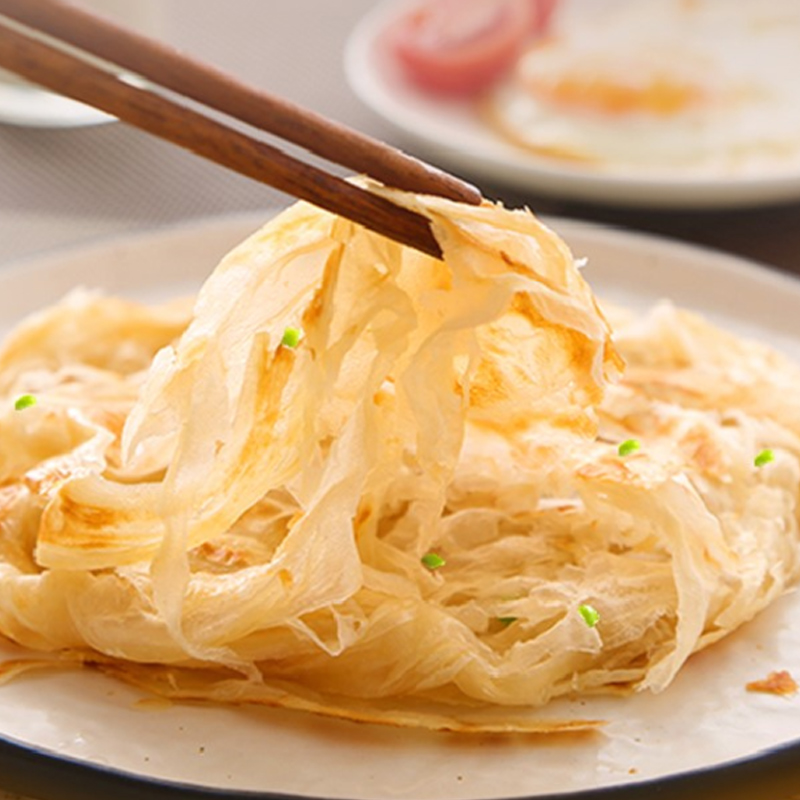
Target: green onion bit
(291, 337)
(591, 616)
(628, 447)
(764, 457)
(506, 621)
(433, 561)
(25, 401)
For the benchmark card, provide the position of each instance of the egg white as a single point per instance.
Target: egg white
(737, 60)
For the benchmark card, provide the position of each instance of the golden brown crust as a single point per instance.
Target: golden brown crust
(780, 683)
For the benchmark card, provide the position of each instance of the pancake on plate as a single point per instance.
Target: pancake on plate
(357, 480)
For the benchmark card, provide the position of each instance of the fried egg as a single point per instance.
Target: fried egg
(666, 85)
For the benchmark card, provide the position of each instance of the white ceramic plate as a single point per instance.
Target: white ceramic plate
(452, 134)
(27, 106)
(86, 732)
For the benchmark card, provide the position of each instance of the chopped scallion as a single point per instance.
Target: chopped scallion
(628, 447)
(590, 614)
(24, 401)
(433, 561)
(763, 458)
(506, 621)
(291, 337)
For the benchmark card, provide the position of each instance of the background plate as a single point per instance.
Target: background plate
(451, 133)
(74, 734)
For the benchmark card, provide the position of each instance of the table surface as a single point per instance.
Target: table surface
(61, 189)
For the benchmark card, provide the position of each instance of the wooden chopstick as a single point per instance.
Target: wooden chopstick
(60, 70)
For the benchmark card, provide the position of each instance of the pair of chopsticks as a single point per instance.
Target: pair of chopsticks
(48, 42)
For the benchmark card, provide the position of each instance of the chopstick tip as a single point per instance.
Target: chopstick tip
(452, 187)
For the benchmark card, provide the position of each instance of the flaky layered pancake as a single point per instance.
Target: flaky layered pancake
(360, 481)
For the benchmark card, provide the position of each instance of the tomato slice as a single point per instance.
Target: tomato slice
(541, 12)
(460, 47)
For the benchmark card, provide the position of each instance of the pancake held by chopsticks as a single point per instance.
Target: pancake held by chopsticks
(419, 513)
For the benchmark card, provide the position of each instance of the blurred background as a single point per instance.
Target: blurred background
(68, 186)
(65, 186)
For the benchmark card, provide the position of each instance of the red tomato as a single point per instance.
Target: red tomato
(459, 47)
(541, 14)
